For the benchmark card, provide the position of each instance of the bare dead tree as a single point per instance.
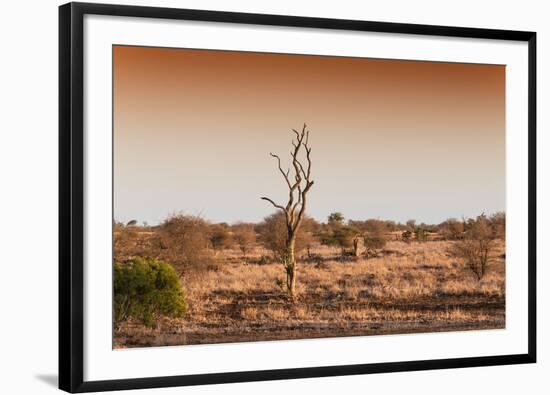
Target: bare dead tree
(299, 183)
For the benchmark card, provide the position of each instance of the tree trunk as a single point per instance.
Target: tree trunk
(290, 267)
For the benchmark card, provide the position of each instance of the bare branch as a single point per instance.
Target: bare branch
(298, 202)
(295, 210)
(302, 170)
(303, 208)
(308, 157)
(285, 175)
(273, 203)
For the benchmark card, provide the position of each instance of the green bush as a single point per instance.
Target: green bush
(145, 289)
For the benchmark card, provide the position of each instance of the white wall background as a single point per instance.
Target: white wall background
(28, 197)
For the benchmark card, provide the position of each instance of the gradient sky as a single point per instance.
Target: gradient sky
(390, 139)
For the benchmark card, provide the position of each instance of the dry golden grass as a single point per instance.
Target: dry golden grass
(416, 287)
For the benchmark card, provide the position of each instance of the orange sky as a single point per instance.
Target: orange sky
(391, 139)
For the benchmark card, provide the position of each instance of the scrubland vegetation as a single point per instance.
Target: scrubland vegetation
(355, 278)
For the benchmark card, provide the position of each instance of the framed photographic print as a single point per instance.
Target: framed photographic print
(251, 197)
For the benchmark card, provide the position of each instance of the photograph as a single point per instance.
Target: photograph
(265, 196)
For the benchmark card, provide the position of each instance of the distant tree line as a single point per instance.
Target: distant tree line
(192, 244)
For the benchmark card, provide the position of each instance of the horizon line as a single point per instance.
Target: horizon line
(324, 221)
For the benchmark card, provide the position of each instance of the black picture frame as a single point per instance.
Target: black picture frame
(71, 203)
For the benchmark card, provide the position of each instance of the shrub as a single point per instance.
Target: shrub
(145, 289)
(451, 229)
(420, 234)
(336, 218)
(373, 243)
(245, 237)
(184, 241)
(498, 225)
(411, 224)
(220, 237)
(340, 236)
(373, 226)
(476, 248)
(125, 242)
(273, 233)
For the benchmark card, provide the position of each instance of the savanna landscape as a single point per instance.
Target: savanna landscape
(235, 292)
(191, 281)
(235, 221)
